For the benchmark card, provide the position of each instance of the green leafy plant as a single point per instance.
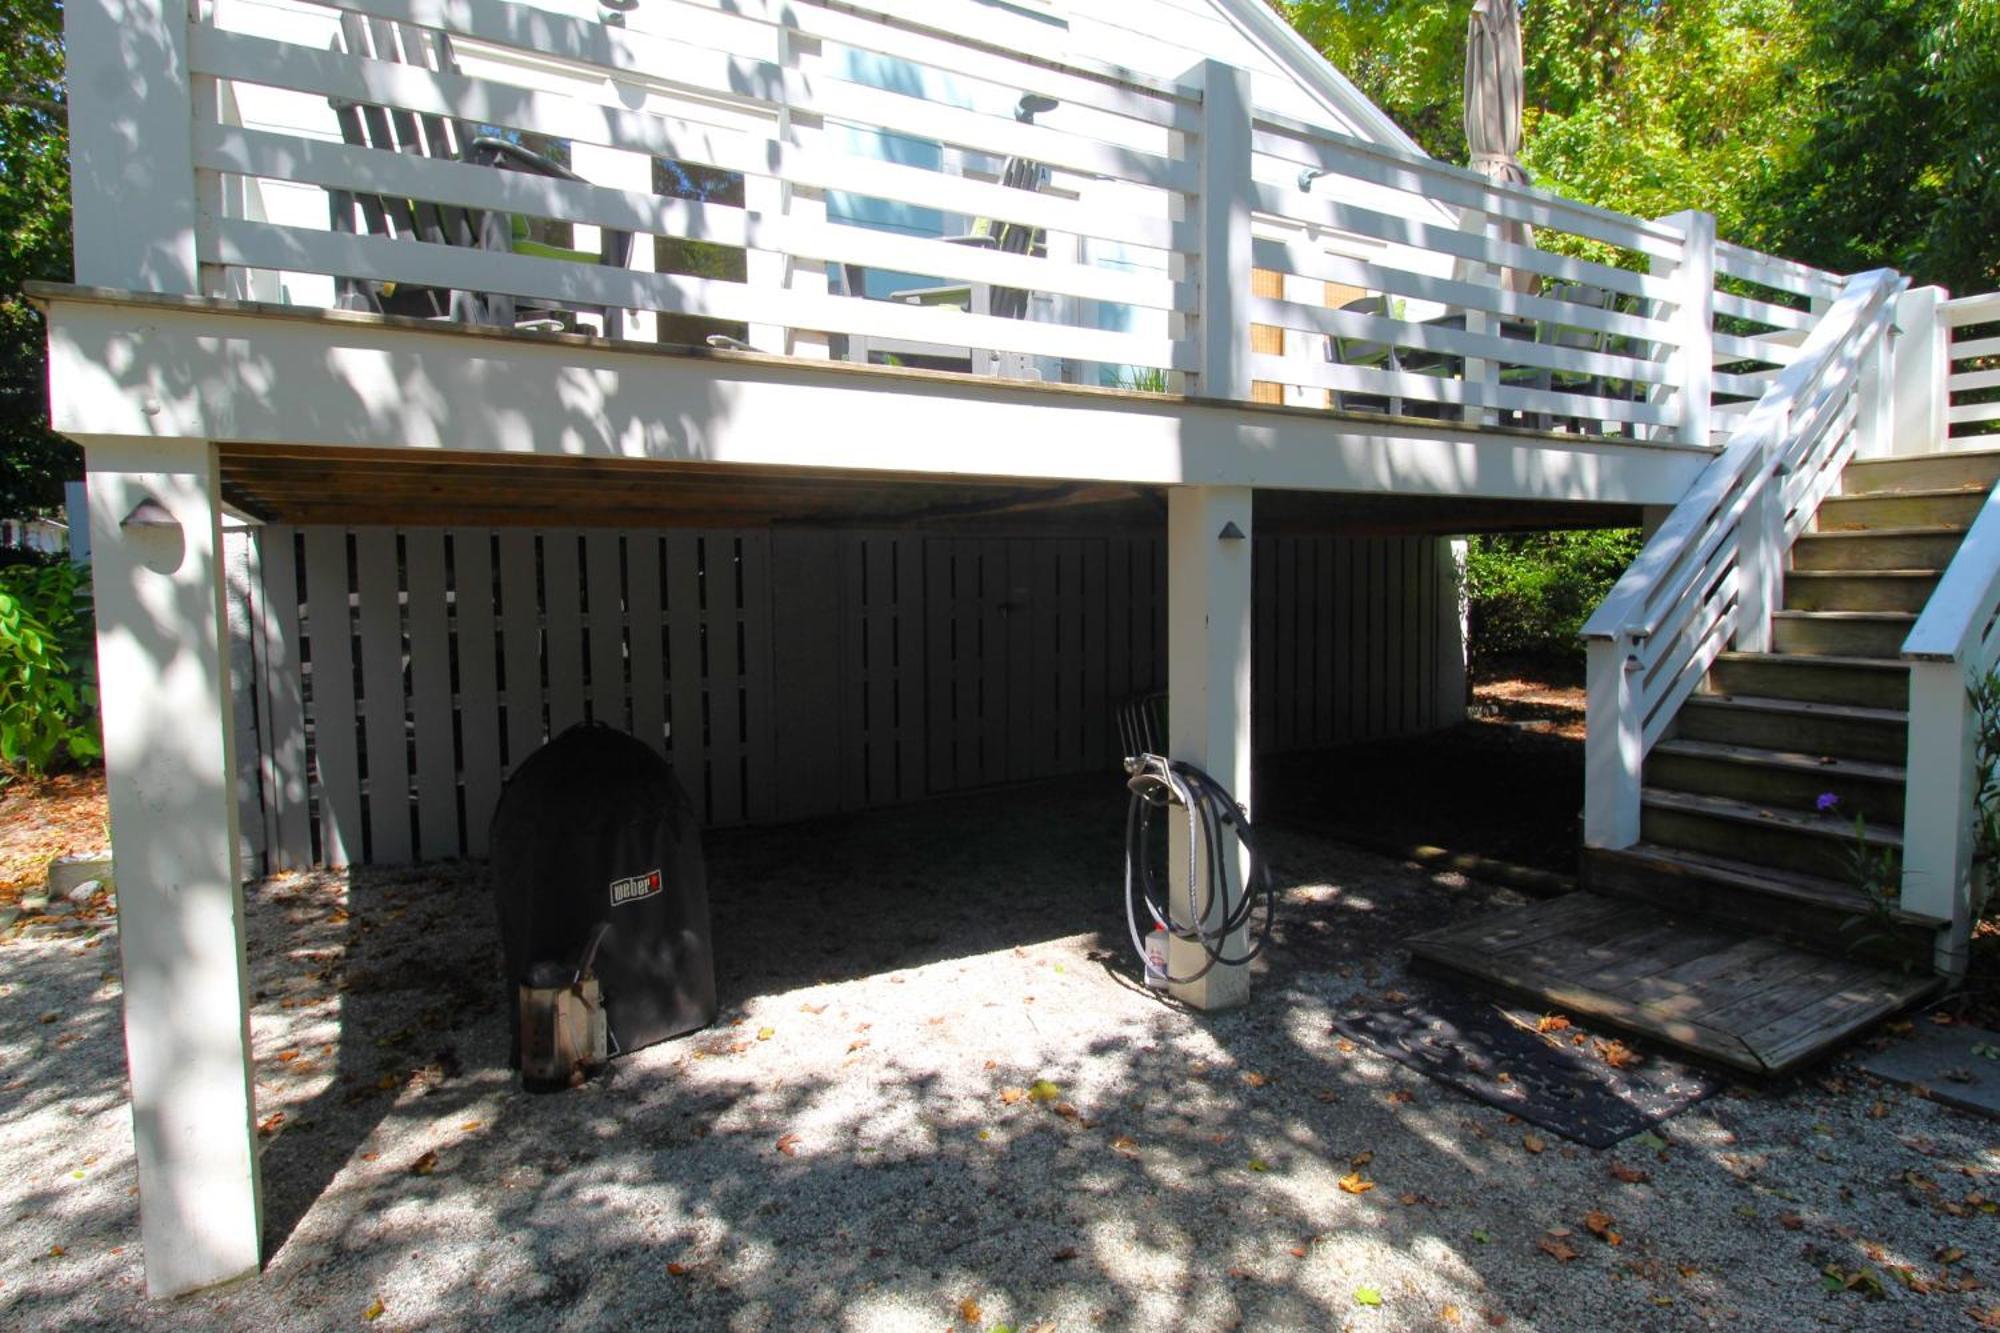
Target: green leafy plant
(48, 707)
(1985, 696)
(1876, 872)
(1529, 593)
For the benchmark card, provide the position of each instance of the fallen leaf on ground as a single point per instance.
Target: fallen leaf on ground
(1354, 1183)
(1012, 1095)
(1367, 1296)
(765, 1034)
(678, 1270)
(1598, 1223)
(1532, 1143)
(1124, 1143)
(1259, 1164)
(969, 1311)
(425, 1164)
(1255, 1080)
(857, 1044)
(1041, 1090)
(1630, 1175)
(373, 1312)
(812, 1008)
(1791, 1221)
(288, 1056)
(1617, 1054)
(1066, 1111)
(269, 1124)
(1555, 1248)
(1551, 1023)
(1401, 1097)
(1064, 1255)
(788, 1144)
(1450, 1315)
(1360, 1159)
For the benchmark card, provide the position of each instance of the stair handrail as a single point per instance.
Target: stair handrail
(1954, 644)
(1709, 577)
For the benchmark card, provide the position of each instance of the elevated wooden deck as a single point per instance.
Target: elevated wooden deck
(1732, 997)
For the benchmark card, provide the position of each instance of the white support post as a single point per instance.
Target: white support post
(131, 144)
(1694, 326)
(1454, 631)
(1615, 750)
(1208, 694)
(1922, 373)
(1223, 329)
(774, 198)
(1937, 823)
(1760, 563)
(1875, 407)
(171, 775)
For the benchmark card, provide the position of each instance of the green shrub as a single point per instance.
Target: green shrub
(48, 707)
(1529, 593)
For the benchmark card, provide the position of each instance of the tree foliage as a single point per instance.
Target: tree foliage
(1528, 594)
(34, 243)
(1849, 135)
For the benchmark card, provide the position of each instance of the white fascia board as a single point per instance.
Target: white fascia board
(235, 374)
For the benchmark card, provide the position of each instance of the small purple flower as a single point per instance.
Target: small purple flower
(1827, 803)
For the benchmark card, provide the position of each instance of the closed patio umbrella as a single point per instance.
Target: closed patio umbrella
(1493, 95)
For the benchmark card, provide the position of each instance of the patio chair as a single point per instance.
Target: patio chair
(1367, 353)
(1555, 333)
(366, 125)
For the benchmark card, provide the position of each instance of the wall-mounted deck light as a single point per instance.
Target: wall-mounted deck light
(1230, 532)
(1309, 175)
(149, 513)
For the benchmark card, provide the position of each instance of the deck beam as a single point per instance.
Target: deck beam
(236, 372)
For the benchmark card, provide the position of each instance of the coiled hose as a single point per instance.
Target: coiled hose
(1159, 783)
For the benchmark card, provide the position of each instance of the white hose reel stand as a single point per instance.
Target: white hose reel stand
(1219, 906)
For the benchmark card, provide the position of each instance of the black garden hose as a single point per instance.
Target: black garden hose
(1159, 783)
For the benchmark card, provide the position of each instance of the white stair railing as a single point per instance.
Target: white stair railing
(1709, 578)
(1954, 643)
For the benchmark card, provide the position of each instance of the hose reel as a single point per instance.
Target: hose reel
(1220, 908)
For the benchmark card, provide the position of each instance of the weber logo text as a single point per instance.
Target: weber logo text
(632, 890)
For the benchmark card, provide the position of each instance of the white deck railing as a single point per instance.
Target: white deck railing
(1180, 236)
(1709, 578)
(1954, 643)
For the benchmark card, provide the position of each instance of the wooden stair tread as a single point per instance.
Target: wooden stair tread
(1751, 754)
(1724, 807)
(1913, 573)
(1969, 488)
(1799, 707)
(1792, 885)
(1909, 617)
(1863, 534)
(1825, 661)
(1735, 998)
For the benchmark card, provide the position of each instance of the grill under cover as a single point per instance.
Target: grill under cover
(594, 828)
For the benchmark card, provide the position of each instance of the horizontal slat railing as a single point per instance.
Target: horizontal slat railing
(802, 171)
(1973, 387)
(1708, 579)
(1763, 306)
(1413, 288)
(1955, 644)
(787, 99)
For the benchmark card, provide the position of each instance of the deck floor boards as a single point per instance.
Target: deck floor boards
(1734, 997)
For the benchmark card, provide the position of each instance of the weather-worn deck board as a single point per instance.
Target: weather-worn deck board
(1732, 997)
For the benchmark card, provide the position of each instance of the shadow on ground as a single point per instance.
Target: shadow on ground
(860, 1143)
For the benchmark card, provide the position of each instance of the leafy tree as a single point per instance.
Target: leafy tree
(34, 243)
(1901, 164)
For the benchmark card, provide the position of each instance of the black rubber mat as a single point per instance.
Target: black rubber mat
(1559, 1079)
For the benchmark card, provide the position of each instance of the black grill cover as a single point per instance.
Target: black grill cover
(594, 828)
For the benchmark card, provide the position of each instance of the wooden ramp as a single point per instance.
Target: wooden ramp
(1738, 999)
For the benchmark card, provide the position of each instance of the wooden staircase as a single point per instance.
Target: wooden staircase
(1736, 927)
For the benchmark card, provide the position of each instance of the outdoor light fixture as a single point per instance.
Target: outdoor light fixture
(1309, 175)
(149, 513)
(1032, 105)
(1230, 532)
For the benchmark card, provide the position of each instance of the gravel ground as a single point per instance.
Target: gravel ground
(849, 1147)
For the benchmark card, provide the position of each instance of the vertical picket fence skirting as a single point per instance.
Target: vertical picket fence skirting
(389, 679)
